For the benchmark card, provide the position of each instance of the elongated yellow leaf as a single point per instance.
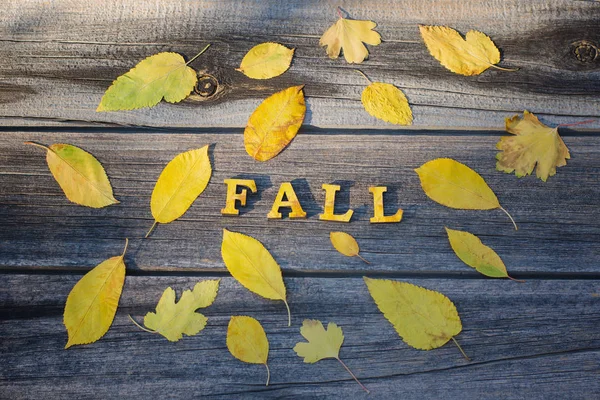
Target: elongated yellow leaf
(469, 56)
(348, 35)
(251, 264)
(423, 318)
(266, 60)
(92, 304)
(387, 103)
(274, 123)
(184, 178)
(455, 185)
(163, 75)
(79, 174)
(472, 252)
(345, 244)
(247, 341)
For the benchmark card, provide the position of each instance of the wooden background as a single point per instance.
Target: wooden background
(539, 339)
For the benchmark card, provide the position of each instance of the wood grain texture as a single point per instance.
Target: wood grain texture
(533, 340)
(559, 220)
(57, 58)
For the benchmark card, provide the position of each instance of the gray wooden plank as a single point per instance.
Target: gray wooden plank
(533, 340)
(559, 220)
(57, 58)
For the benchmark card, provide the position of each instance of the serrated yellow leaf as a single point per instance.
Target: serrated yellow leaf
(173, 320)
(348, 35)
(533, 143)
(469, 56)
(247, 341)
(345, 244)
(266, 60)
(79, 174)
(183, 179)
(455, 185)
(92, 303)
(163, 75)
(274, 123)
(251, 264)
(386, 102)
(423, 318)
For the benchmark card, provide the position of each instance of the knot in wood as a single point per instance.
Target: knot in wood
(585, 51)
(207, 85)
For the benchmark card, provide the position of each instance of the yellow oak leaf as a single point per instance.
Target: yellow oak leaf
(322, 344)
(423, 318)
(472, 252)
(533, 143)
(251, 264)
(266, 60)
(348, 35)
(92, 303)
(247, 341)
(469, 56)
(455, 185)
(386, 102)
(274, 123)
(173, 320)
(163, 75)
(183, 179)
(345, 244)
(79, 174)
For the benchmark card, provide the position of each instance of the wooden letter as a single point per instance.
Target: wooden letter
(233, 195)
(378, 216)
(286, 190)
(329, 208)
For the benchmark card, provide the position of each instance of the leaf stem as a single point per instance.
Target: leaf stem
(361, 257)
(289, 313)
(461, 350)
(268, 374)
(339, 11)
(504, 69)
(516, 280)
(139, 326)
(365, 76)
(151, 229)
(38, 145)
(511, 218)
(198, 55)
(125, 249)
(353, 376)
(587, 121)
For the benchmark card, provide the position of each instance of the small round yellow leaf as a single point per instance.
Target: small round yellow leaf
(386, 102)
(266, 60)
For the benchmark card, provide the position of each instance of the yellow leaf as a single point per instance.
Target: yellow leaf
(247, 341)
(274, 123)
(321, 343)
(387, 103)
(348, 35)
(173, 320)
(345, 244)
(79, 174)
(455, 185)
(184, 178)
(92, 304)
(533, 143)
(251, 264)
(266, 60)
(163, 75)
(472, 252)
(424, 319)
(469, 56)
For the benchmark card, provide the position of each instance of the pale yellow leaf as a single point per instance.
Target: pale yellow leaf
(251, 264)
(274, 123)
(386, 102)
(266, 60)
(92, 303)
(348, 35)
(79, 174)
(345, 244)
(247, 341)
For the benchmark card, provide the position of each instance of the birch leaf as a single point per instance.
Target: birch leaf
(274, 123)
(455, 185)
(345, 244)
(423, 318)
(173, 320)
(183, 179)
(321, 344)
(266, 60)
(387, 103)
(163, 75)
(247, 341)
(79, 174)
(469, 56)
(472, 252)
(348, 35)
(251, 264)
(92, 303)
(533, 143)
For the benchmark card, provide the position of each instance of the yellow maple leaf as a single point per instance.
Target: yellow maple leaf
(533, 143)
(345, 244)
(348, 35)
(266, 60)
(247, 341)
